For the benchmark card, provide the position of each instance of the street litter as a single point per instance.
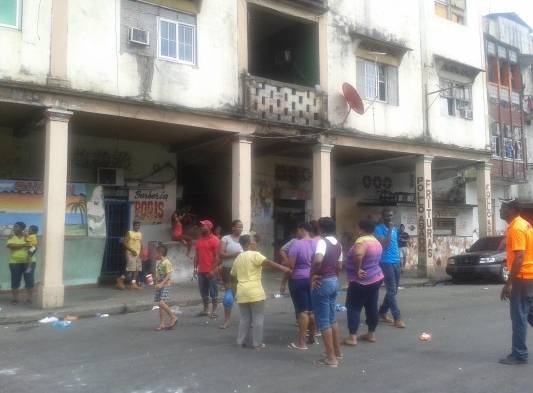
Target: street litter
(424, 337)
(71, 318)
(61, 324)
(175, 310)
(340, 308)
(155, 308)
(102, 315)
(401, 287)
(486, 288)
(48, 320)
(278, 295)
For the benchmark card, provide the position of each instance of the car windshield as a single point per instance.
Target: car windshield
(488, 244)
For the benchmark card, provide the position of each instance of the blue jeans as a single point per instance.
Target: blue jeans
(18, 271)
(208, 286)
(521, 314)
(324, 300)
(391, 271)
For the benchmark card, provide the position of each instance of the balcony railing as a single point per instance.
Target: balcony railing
(275, 101)
(504, 94)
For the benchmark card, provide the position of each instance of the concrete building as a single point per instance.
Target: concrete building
(235, 108)
(509, 51)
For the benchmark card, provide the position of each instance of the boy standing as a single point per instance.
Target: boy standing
(133, 250)
(163, 271)
(206, 264)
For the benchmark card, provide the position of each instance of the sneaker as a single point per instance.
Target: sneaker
(510, 360)
(120, 283)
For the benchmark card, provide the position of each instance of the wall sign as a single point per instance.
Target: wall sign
(149, 205)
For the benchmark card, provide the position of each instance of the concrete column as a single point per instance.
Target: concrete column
(241, 197)
(59, 44)
(50, 293)
(484, 199)
(424, 213)
(322, 180)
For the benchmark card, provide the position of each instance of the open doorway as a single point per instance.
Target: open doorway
(288, 214)
(282, 48)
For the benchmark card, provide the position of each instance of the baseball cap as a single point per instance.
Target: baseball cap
(207, 223)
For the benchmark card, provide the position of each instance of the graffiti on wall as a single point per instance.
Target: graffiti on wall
(444, 247)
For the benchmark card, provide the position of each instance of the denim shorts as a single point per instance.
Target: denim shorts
(18, 270)
(300, 290)
(208, 286)
(161, 294)
(324, 300)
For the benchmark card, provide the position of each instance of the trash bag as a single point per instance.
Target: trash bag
(228, 298)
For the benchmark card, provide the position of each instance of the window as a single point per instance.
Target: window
(456, 99)
(10, 11)
(453, 10)
(508, 145)
(377, 81)
(177, 40)
(496, 140)
(517, 145)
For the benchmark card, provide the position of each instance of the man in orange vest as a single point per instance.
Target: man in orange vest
(519, 287)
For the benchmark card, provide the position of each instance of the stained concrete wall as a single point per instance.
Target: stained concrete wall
(100, 62)
(26, 51)
(413, 25)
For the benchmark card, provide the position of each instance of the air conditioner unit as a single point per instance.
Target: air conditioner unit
(139, 36)
(110, 176)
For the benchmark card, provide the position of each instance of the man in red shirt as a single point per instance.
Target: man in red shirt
(206, 263)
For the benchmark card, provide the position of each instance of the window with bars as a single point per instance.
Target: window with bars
(453, 10)
(377, 81)
(177, 39)
(10, 13)
(456, 99)
(496, 139)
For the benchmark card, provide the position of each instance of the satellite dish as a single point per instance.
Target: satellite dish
(353, 98)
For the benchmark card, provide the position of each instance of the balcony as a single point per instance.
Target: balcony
(281, 102)
(318, 5)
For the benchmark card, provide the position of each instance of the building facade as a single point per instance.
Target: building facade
(235, 109)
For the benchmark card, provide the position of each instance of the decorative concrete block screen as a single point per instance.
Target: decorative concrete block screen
(275, 101)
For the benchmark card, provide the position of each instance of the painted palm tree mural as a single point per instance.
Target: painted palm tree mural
(79, 207)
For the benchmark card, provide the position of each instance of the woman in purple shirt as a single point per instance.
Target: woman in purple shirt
(365, 278)
(301, 255)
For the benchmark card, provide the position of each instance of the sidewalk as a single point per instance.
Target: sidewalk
(88, 302)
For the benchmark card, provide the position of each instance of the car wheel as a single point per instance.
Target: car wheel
(504, 273)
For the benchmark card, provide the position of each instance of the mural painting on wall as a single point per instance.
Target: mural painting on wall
(95, 211)
(149, 205)
(23, 201)
(101, 159)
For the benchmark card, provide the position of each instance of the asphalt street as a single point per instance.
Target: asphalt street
(469, 325)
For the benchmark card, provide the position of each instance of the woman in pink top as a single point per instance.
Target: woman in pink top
(365, 278)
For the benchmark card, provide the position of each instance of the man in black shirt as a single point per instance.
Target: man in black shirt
(403, 239)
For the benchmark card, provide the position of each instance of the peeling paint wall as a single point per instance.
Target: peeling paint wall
(101, 61)
(25, 53)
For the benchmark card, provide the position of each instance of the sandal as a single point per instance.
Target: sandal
(293, 346)
(223, 327)
(325, 356)
(366, 337)
(213, 316)
(324, 363)
(171, 327)
(349, 343)
(159, 329)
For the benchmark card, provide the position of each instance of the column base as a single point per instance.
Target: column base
(50, 297)
(425, 271)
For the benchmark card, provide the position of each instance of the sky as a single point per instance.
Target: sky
(524, 8)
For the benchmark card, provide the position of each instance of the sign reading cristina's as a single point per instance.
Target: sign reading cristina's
(149, 205)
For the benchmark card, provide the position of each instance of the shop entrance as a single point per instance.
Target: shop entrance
(288, 213)
(117, 213)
